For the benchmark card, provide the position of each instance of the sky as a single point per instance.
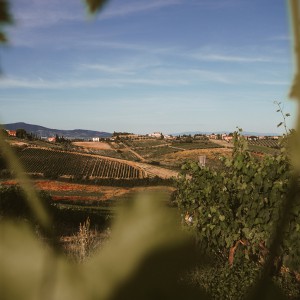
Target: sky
(143, 66)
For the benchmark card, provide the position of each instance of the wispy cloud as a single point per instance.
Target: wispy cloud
(280, 38)
(218, 4)
(275, 83)
(128, 66)
(13, 83)
(230, 58)
(133, 7)
(141, 47)
(35, 14)
(107, 69)
(122, 75)
(194, 76)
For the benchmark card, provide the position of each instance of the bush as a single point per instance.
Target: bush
(234, 212)
(13, 203)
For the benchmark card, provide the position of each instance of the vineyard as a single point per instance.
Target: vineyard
(46, 161)
(196, 145)
(265, 143)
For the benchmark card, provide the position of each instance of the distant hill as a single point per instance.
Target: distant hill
(48, 132)
(220, 132)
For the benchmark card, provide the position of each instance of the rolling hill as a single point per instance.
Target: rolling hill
(48, 132)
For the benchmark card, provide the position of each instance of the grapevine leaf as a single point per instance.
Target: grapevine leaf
(222, 218)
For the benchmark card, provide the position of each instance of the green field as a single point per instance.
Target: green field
(146, 143)
(196, 145)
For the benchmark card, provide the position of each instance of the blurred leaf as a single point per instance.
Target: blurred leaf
(5, 19)
(3, 38)
(37, 207)
(154, 253)
(5, 16)
(278, 125)
(288, 115)
(95, 5)
(145, 259)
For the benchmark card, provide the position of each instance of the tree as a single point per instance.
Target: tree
(21, 133)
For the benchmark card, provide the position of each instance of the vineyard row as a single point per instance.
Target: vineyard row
(64, 163)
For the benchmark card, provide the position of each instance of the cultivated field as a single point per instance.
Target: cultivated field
(93, 145)
(61, 163)
(265, 143)
(212, 156)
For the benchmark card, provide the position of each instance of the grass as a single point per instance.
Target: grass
(155, 153)
(196, 145)
(146, 143)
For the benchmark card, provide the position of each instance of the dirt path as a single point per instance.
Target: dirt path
(177, 148)
(152, 171)
(133, 152)
(223, 143)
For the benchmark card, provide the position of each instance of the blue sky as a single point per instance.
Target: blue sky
(144, 66)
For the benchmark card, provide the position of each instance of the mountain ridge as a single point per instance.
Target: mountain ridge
(42, 131)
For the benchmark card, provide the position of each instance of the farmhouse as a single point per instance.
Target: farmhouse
(252, 138)
(155, 134)
(12, 132)
(52, 139)
(96, 139)
(228, 138)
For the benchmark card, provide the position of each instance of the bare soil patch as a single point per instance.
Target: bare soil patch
(94, 145)
(17, 143)
(84, 191)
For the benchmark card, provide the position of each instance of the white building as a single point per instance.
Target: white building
(96, 139)
(155, 134)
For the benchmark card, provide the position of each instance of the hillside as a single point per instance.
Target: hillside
(48, 132)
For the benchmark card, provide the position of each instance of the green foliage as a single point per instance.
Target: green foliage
(225, 282)
(234, 212)
(13, 202)
(21, 133)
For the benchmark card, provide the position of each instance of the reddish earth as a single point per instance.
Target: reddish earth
(84, 191)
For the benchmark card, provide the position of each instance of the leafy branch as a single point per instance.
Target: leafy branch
(284, 116)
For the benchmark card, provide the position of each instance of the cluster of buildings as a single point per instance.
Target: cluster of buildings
(131, 136)
(228, 137)
(159, 135)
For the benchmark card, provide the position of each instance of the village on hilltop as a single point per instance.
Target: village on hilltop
(159, 135)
